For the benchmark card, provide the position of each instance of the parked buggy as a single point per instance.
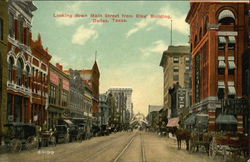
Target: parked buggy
(21, 136)
(62, 133)
(233, 145)
(199, 140)
(47, 138)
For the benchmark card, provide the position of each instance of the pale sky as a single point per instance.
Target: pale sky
(128, 53)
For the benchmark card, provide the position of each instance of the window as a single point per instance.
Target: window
(226, 17)
(21, 31)
(28, 36)
(222, 43)
(10, 69)
(231, 65)
(231, 90)
(176, 59)
(187, 60)
(1, 29)
(221, 89)
(200, 35)
(187, 67)
(176, 69)
(27, 76)
(231, 42)
(52, 94)
(221, 65)
(176, 77)
(19, 71)
(11, 25)
(247, 81)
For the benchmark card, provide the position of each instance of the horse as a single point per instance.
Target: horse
(182, 134)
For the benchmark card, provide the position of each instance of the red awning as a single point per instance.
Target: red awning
(173, 122)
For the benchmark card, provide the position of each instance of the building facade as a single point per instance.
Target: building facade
(104, 109)
(39, 72)
(21, 62)
(4, 30)
(123, 103)
(218, 33)
(175, 62)
(59, 95)
(154, 117)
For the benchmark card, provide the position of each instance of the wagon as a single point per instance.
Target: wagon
(20, 136)
(199, 140)
(233, 145)
(48, 137)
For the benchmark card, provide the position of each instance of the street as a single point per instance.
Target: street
(136, 146)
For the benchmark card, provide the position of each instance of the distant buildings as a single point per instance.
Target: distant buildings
(123, 102)
(176, 63)
(154, 117)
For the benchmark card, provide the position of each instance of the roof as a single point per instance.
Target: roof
(152, 108)
(174, 50)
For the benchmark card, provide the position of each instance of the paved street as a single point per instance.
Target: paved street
(134, 146)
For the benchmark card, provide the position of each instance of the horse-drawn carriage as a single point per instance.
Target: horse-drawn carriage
(47, 137)
(233, 145)
(21, 136)
(199, 140)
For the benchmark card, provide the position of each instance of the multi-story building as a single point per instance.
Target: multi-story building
(92, 77)
(123, 102)
(21, 64)
(104, 109)
(218, 33)
(39, 72)
(153, 116)
(59, 95)
(175, 62)
(4, 30)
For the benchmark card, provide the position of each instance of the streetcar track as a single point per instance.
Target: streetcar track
(79, 150)
(142, 148)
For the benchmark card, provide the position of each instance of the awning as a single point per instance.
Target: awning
(222, 40)
(190, 120)
(231, 39)
(226, 13)
(226, 119)
(202, 119)
(231, 65)
(231, 90)
(222, 64)
(173, 122)
(68, 121)
(221, 84)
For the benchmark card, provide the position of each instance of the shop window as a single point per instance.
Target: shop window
(231, 42)
(226, 17)
(1, 29)
(221, 43)
(176, 60)
(19, 71)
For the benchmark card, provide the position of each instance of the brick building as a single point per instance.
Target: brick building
(20, 62)
(175, 62)
(39, 81)
(218, 33)
(4, 28)
(59, 95)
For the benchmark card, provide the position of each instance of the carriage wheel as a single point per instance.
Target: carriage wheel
(31, 143)
(15, 145)
(213, 148)
(53, 140)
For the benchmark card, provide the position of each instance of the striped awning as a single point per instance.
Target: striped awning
(222, 40)
(231, 39)
(226, 119)
(226, 13)
(231, 90)
(173, 122)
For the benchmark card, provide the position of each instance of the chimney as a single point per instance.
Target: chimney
(59, 66)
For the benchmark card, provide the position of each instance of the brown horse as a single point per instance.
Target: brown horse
(182, 134)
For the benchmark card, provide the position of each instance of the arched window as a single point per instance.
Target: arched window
(19, 71)
(226, 17)
(10, 68)
(27, 76)
(1, 29)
